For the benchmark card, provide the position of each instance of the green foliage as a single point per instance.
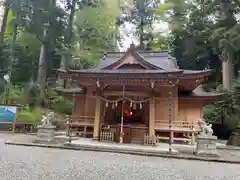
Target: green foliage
(164, 8)
(9, 27)
(28, 115)
(226, 111)
(4, 58)
(159, 43)
(33, 98)
(210, 114)
(52, 100)
(15, 95)
(94, 33)
(190, 34)
(63, 106)
(142, 14)
(27, 51)
(32, 94)
(2, 88)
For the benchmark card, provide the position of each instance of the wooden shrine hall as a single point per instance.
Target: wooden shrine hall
(132, 95)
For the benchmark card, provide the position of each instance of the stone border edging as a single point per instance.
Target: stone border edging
(231, 148)
(141, 153)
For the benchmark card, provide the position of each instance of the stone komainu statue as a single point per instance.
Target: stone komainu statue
(206, 130)
(47, 119)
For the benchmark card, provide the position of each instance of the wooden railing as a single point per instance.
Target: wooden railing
(150, 140)
(180, 126)
(80, 125)
(80, 120)
(107, 136)
(189, 130)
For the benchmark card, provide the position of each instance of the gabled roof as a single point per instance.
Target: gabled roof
(153, 62)
(156, 60)
(136, 59)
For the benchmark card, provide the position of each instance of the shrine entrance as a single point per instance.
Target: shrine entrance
(132, 116)
(130, 112)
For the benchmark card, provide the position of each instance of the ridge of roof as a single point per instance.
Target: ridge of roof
(151, 53)
(157, 59)
(131, 50)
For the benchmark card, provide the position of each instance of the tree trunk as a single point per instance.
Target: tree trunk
(141, 31)
(68, 37)
(42, 64)
(11, 60)
(70, 22)
(4, 21)
(14, 38)
(227, 61)
(227, 71)
(47, 46)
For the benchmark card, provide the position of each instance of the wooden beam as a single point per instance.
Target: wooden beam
(97, 119)
(127, 93)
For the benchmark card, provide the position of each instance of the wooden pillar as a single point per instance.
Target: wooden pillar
(97, 118)
(170, 116)
(86, 106)
(74, 103)
(175, 100)
(152, 117)
(86, 114)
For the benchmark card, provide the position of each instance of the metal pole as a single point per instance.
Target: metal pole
(121, 130)
(170, 118)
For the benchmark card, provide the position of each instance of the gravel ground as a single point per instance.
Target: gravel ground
(32, 163)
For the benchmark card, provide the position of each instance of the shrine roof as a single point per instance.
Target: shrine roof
(200, 95)
(162, 60)
(77, 90)
(148, 62)
(69, 90)
(199, 91)
(126, 71)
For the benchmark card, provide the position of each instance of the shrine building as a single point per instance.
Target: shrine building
(133, 94)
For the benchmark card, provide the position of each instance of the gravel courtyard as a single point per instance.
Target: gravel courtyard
(32, 163)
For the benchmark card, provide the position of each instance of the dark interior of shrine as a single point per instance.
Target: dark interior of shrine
(132, 113)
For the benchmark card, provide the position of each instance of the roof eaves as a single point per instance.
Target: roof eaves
(197, 71)
(60, 70)
(126, 71)
(69, 90)
(200, 92)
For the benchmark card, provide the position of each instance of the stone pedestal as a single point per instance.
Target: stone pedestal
(206, 146)
(234, 139)
(45, 133)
